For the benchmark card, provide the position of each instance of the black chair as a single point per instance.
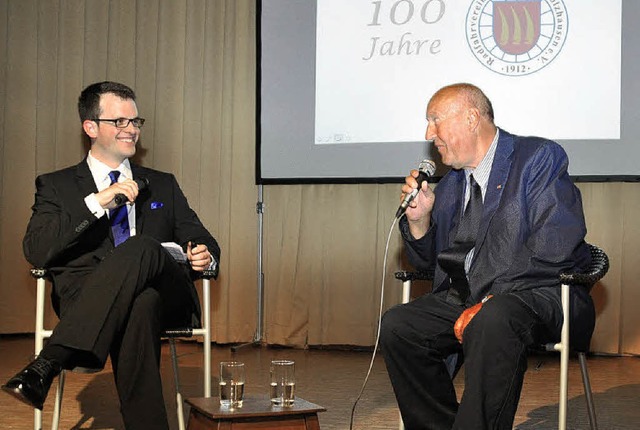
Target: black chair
(205, 332)
(596, 271)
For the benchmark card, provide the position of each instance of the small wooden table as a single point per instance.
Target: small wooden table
(256, 412)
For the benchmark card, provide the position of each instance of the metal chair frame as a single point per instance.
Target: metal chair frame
(41, 333)
(598, 268)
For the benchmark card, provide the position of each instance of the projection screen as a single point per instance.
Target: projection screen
(343, 85)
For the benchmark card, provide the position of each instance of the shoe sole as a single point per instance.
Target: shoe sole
(18, 394)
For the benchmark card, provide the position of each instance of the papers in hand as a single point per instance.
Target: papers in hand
(176, 251)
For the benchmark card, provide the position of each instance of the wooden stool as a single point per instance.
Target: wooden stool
(257, 412)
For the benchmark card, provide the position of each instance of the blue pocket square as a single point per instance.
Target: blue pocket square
(156, 205)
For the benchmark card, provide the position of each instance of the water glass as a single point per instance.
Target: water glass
(231, 384)
(283, 382)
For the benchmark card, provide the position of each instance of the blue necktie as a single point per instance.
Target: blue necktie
(119, 217)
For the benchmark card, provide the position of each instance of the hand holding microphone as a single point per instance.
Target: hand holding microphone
(120, 193)
(121, 199)
(426, 169)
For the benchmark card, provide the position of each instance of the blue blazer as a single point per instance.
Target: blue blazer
(532, 228)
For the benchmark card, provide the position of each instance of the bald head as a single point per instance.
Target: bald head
(466, 95)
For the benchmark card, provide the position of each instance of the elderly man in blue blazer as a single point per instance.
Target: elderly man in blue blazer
(496, 232)
(115, 287)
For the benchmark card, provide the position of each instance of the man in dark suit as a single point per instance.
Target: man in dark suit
(496, 232)
(115, 286)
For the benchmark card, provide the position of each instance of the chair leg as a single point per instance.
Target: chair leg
(406, 297)
(563, 347)
(39, 337)
(176, 377)
(406, 291)
(206, 340)
(37, 419)
(593, 423)
(55, 421)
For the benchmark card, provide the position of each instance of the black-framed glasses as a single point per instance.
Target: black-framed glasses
(122, 122)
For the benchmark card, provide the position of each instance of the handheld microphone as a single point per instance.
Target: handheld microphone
(426, 169)
(121, 199)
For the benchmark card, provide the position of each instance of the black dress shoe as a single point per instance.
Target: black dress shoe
(31, 385)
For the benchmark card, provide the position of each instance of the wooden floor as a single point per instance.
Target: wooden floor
(332, 379)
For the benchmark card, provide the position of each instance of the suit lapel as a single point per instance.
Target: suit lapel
(453, 208)
(497, 180)
(140, 200)
(457, 205)
(86, 184)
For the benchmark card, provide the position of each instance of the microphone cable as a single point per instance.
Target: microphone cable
(377, 341)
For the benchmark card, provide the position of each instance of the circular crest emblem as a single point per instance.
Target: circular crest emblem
(516, 37)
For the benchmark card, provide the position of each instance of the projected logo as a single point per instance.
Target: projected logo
(516, 37)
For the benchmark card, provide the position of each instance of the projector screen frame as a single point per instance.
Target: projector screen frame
(630, 114)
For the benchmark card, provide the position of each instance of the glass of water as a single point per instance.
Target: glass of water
(231, 384)
(283, 382)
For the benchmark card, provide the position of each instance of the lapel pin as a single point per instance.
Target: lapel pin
(499, 186)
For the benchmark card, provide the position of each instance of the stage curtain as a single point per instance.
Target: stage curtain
(324, 247)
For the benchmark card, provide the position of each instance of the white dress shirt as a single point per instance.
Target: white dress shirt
(100, 173)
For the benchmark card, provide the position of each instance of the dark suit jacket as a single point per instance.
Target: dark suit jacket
(66, 238)
(532, 228)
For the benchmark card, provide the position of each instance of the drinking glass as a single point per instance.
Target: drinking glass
(231, 384)
(283, 382)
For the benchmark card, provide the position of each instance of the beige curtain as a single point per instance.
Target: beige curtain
(324, 247)
(612, 212)
(192, 64)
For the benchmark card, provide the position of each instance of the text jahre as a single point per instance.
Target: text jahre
(403, 46)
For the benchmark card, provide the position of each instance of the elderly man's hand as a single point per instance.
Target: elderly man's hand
(465, 318)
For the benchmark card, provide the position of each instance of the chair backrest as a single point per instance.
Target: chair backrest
(597, 269)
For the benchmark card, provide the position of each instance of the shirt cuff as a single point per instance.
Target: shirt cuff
(92, 204)
(213, 264)
(406, 232)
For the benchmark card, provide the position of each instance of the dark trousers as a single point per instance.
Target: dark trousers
(417, 338)
(120, 310)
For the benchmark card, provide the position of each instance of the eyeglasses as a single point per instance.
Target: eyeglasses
(122, 122)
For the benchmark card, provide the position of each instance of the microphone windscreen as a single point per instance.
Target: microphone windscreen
(428, 167)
